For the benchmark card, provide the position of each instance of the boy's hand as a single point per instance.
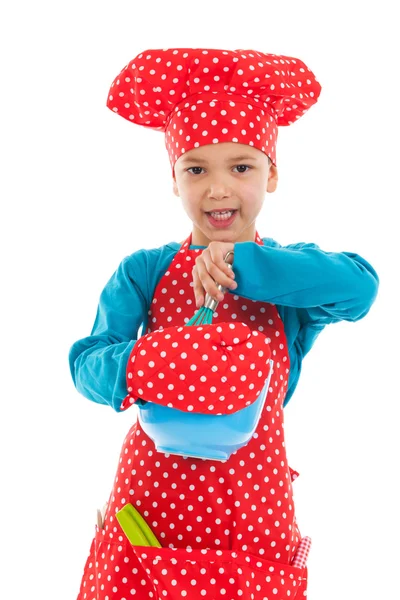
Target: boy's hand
(211, 270)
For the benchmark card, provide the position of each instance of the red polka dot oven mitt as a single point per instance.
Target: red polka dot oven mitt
(215, 369)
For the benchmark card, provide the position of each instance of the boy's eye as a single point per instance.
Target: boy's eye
(246, 166)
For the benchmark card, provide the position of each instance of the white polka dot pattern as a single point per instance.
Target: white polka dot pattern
(201, 96)
(228, 529)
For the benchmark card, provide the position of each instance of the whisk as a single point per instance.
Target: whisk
(204, 315)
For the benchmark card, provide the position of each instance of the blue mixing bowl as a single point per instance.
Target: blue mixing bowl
(213, 437)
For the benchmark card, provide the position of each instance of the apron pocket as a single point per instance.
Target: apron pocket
(218, 574)
(113, 571)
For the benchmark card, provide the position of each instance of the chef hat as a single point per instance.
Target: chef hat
(217, 368)
(206, 96)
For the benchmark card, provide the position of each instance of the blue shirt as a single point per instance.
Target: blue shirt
(310, 288)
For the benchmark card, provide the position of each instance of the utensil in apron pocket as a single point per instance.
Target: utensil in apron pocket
(100, 516)
(135, 527)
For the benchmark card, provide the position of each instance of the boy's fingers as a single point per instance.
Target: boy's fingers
(220, 274)
(224, 278)
(217, 256)
(209, 275)
(225, 268)
(197, 287)
(207, 283)
(229, 270)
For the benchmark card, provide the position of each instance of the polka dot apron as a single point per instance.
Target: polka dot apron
(227, 528)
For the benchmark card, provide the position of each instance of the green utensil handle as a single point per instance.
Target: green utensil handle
(135, 527)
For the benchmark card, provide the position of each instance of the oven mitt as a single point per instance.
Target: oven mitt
(216, 368)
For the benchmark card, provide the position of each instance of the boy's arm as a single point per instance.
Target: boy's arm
(98, 362)
(328, 286)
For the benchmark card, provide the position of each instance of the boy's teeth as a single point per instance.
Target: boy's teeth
(222, 215)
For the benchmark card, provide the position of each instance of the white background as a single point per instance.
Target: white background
(83, 188)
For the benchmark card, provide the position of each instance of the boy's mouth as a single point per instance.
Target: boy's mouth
(222, 218)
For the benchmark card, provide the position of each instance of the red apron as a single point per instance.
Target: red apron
(227, 528)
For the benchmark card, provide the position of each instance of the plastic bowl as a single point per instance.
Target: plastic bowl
(213, 437)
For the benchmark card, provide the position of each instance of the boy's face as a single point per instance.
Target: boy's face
(210, 178)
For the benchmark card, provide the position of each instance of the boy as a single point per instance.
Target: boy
(227, 529)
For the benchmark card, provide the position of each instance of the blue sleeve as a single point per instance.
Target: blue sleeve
(325, 287)
(98, 362)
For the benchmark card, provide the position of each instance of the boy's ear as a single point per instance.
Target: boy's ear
(272, 179)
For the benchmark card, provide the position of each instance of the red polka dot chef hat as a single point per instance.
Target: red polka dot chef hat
(201, 96)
